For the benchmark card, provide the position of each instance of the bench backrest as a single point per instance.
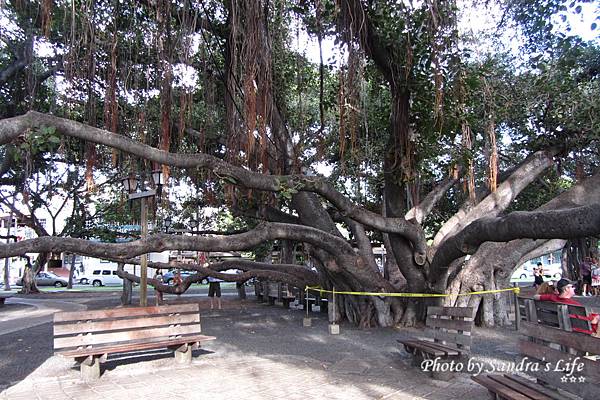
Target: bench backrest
(556, 315)
(451, 325)
(552, 348)
(273, 289)
(91, 329)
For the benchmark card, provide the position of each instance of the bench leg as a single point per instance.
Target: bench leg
(90, 368)
(271, 301)
(286, 303)
(183, 355)
(445, 374)
(417, 359)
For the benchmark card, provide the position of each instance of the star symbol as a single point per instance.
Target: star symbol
(573, 379)
(564, 379)
(582, 379)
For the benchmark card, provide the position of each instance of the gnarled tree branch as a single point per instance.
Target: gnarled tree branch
(12, 128)
(547, 224)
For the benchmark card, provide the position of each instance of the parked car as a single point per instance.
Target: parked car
(46, 279)
(102, 277)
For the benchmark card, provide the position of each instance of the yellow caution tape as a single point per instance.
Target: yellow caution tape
(516, 290)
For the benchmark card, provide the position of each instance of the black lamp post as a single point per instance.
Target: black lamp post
(130, 184)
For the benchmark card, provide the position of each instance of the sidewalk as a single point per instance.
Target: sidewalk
(261, 352)
(33, 312)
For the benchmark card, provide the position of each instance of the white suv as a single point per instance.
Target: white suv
(102, 277)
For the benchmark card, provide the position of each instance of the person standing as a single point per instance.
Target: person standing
(159, 295)
(214, 289)
(585, 269)
(595, 277)
(538, 275)
(177, 281)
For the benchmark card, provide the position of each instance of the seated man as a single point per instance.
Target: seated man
(566, 291)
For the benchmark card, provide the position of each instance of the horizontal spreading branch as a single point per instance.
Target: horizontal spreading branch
(299, 272)
(547, 224)
(161, 242)
(243, 277)
(12, 128)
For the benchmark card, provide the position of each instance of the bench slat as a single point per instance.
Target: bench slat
(519, 387)
(579, 341)
(504, 391)
(132, 347)
(552, 394)
(450, 337)
(139, 334)
(450, 351)
(419, 345)
(553, 356)
(124, 312)
(456, 324)
(130, 323)
(435, 349)
(466, 312)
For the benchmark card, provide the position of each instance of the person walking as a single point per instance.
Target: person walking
(214, 289)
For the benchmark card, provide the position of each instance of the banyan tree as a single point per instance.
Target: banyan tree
(414, 134)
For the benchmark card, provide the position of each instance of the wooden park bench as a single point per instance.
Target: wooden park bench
(3, 297)
(550, 348)
(90, 336)
(277, 291)
(450, 328)
(563, 316)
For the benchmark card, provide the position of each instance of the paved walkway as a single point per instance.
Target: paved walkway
(33, 312)
(261, 352)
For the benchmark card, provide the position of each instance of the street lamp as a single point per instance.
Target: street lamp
(130, 184)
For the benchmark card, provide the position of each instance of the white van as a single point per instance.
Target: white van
(102, 277)
(99, 272)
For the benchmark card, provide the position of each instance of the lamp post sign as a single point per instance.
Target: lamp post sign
(130, 183)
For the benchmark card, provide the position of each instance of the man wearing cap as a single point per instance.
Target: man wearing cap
(566, 290)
